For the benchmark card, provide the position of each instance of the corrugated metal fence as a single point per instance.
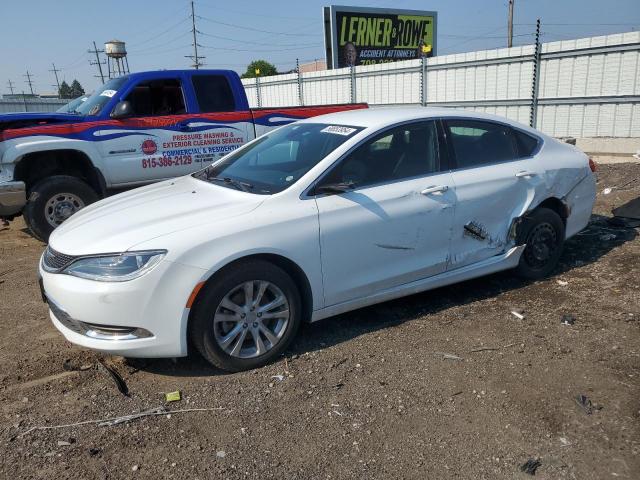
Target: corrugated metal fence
(588, 87)
(29, 104)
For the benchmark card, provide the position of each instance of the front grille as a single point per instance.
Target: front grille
(54, 261)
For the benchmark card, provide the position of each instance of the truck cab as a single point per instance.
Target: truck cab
(133, 130)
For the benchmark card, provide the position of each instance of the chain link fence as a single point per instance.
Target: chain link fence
(587, 87)
(30, 104)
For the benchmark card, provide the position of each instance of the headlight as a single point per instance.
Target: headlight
(115, 268)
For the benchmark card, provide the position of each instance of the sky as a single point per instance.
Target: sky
(34, 34)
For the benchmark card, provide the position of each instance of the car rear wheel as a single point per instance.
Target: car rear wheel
(543, 233)
(53, 200)
(246, 316)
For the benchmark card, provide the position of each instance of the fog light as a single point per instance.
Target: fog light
(105, 332)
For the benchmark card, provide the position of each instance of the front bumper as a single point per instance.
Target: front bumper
(144, 317)
(13, 196)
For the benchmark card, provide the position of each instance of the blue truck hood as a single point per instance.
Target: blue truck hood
(19, 120)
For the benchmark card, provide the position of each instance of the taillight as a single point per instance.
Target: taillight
(593, 165)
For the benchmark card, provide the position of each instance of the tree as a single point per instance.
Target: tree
(65, 90)
(76, 89)
(266, 69)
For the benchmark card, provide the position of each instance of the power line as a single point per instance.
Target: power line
(259, 15)
(254, 42)
(585, 24)
(251, 29)
(137, 44)
(156, 51)
(75, 63)
(29, 82)
(55, 72)
(481, 36)
(169, 42)
(231, 49)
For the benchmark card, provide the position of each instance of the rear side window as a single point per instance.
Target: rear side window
(477, 143)
(526, 144)
(213, 93)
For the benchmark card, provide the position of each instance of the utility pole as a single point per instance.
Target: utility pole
(29, 82)
(55, 72)
(510, 27)
(97, 62)
(196, 59)
(10, 85)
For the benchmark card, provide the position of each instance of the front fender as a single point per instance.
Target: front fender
(17, 149)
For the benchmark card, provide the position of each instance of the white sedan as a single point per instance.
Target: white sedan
(311, 220)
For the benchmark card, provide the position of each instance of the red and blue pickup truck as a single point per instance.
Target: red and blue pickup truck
(136, 129)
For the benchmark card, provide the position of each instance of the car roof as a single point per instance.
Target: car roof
(377, 117)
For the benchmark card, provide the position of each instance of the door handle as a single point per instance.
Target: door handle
(526, 174)
(435, 189)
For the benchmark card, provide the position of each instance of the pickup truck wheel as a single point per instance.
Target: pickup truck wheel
(52, 200)
(246, 317)
(543, 234)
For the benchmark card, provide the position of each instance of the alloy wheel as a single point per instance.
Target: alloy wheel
(251, 319)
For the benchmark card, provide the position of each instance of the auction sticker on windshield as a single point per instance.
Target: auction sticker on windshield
(108, 93)
(338, 130)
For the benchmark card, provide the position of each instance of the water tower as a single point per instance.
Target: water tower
(117, 62)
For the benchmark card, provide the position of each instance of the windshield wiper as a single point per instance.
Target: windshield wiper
(245, 187)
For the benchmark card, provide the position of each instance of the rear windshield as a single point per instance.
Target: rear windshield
(277, 160)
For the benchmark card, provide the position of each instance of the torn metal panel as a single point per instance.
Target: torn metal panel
(475, 230)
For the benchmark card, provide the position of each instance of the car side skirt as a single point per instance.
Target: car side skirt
(505, 261)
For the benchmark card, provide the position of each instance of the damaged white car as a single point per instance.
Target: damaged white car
(311, 220)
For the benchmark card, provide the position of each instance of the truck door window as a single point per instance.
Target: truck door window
(213, 93)
(157, 97)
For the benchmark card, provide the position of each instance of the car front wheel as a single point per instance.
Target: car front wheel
(543, 234)
(246, 316)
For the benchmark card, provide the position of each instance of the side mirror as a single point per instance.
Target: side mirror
(335, 188)
(122, 110)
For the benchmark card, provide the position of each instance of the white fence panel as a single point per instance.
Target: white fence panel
(587, 87)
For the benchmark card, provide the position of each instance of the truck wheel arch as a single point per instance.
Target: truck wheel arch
(35, 166)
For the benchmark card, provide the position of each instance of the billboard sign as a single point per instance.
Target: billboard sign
(367, 36)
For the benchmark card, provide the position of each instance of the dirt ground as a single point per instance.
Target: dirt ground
(367, 394)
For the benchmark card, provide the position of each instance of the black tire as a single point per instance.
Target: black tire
(38, 208)
(543, 233)
(201, 326)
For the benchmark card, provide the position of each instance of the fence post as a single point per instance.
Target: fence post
(258, 92)
(533, 117)
(300, 91)
(423, 81)
(352, 81)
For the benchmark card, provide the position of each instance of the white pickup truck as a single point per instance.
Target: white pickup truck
(136, 129)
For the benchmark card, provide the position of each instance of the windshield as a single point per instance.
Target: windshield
(277, 160)
(99, 98)
(72, 105)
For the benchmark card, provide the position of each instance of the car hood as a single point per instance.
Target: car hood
(21, 120)
(118, 223)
